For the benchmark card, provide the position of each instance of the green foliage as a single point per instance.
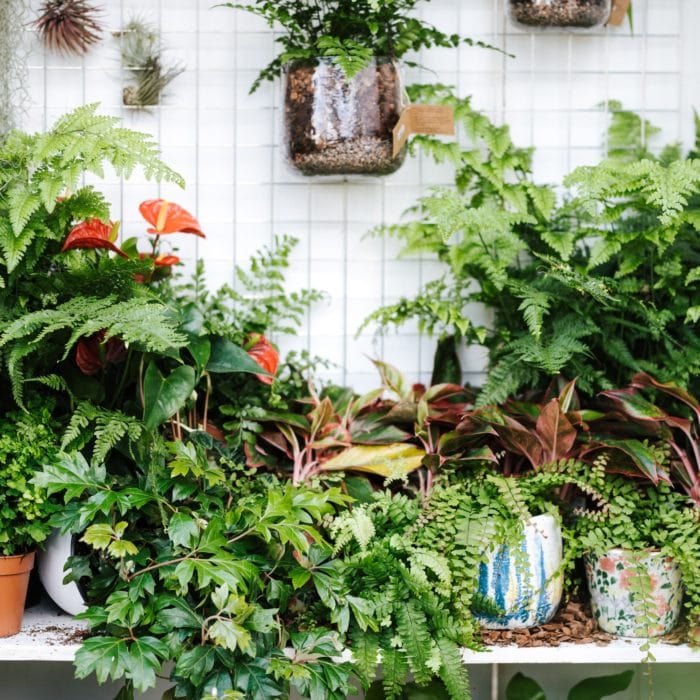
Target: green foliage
(598, 287)
(521, 687)
(27, 441)
(350, 31)
(408, 587)
(213, 572)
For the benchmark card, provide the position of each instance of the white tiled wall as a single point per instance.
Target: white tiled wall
(226, 143)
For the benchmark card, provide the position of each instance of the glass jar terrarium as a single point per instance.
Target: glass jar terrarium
(336, 125)
(558, 14)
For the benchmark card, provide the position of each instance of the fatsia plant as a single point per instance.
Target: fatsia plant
(598, 287)
(219, 579)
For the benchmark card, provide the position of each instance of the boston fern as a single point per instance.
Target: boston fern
(409, 588)
(598, 287)
(349, 31)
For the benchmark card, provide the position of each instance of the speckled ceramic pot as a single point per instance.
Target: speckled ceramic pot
(615, 605)
(527, 583)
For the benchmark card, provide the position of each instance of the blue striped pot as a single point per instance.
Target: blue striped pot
(527, 582)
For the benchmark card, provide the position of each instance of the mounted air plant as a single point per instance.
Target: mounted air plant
(69, 26)
(141, 53)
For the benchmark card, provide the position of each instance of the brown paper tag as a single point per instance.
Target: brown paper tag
(618, 12)
(423, 119)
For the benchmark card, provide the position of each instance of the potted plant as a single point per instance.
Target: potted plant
(343, 93)
(558, 14)
(521, 687)
(640, 556)
(27, 440)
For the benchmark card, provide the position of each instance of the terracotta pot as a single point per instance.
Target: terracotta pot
(615, 606)
(14, 579)
(527, 583)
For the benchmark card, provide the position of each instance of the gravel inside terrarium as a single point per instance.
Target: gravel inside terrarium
(560, 13)
(360, 155)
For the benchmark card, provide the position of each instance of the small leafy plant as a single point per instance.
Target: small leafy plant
(27, 441)
(351, 32)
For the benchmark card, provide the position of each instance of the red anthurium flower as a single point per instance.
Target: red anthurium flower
(265, 355)
(92, 354)
(166, 260)
(93, 233)
(167, 217)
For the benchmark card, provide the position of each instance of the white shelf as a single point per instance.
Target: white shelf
(49, 635)
(620, 651)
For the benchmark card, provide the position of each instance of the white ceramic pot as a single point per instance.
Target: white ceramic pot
(51, 573)
(526, 584)
(616, 607)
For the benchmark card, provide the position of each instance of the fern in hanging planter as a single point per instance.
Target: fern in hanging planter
(141, 55)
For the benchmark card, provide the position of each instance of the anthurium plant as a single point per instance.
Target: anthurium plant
(350, 32)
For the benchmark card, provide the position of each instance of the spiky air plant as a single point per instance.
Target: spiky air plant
(141, 52)
(69, 26)
(13, 64)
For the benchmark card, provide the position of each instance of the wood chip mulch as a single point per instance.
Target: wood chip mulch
(573, 624)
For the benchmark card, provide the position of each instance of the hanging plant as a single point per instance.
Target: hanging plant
(69, 26)
(141, 53)
(13, 66)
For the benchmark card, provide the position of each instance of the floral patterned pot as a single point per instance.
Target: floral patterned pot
(525, 582)
(616, 607)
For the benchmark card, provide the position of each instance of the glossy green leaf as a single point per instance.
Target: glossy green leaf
(227, 357)
(521, 687)
(165, 396)
(601, 687)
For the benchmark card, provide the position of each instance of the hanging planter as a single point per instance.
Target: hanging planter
(339, 125)
(51, 565)
(14, 580)
(634, 594)
(558, 14)
(524, 580)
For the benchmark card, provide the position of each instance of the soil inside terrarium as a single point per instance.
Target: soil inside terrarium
(340, 126)
(573, 624)
(560, 13)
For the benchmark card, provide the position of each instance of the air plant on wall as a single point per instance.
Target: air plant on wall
(141, 53)
(69, 26)
(12, 63)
